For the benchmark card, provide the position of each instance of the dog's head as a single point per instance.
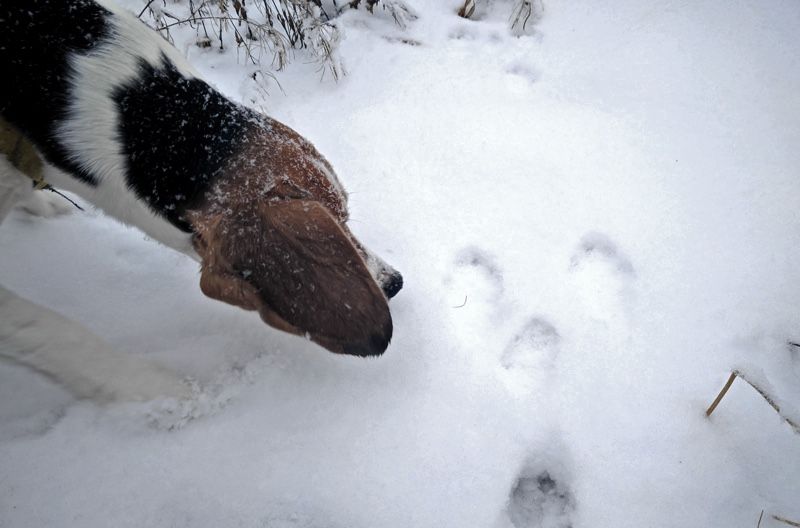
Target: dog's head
(272, 237)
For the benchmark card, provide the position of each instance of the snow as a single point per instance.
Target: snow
(596, 223)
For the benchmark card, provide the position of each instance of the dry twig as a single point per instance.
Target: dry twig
(769, 399)
(278, 27)
(721, 394)
(786, 521)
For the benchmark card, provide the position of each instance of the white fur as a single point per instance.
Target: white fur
(90, 130)
(16, 189)
(46, 204)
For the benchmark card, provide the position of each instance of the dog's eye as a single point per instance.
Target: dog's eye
(198, 242)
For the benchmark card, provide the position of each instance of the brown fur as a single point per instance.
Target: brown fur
(272, 238)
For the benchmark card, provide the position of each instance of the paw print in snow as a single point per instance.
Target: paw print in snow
(535, 346)
(603, 276)
(597, 247)
(477, 275)
(520, 77)
(539, 501)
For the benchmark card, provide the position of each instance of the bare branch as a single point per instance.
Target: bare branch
(769, 399)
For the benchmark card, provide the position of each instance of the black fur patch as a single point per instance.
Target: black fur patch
(36, 38)
(177, 134)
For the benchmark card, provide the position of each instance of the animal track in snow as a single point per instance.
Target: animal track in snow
(463, 32)
(297, 520)
(521, 76)
(479, 275)
(599, 247)
(603, 276)
(534, 346)
(538, 500)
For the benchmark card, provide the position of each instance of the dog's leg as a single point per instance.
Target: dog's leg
(71, 355)
(17, 189)
(46, 204)
(13, 186)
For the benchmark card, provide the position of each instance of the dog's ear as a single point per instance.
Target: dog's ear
(294, 263)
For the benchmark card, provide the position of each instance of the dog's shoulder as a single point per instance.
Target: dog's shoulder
(116, 108)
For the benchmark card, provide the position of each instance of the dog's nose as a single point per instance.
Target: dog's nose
(393, 285)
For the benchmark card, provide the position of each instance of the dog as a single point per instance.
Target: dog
(121, 119)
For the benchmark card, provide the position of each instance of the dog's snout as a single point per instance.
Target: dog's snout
(393, 285)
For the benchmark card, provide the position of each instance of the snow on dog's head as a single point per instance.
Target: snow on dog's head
(272, 236)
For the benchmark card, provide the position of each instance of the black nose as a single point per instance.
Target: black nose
(393, 285)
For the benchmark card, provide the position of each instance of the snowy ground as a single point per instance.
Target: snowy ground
(595, 223)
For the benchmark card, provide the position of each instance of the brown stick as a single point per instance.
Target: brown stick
(721, 393)
(794, 425)
(786, 521)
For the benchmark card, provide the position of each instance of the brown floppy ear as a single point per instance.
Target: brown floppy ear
(294, 263)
